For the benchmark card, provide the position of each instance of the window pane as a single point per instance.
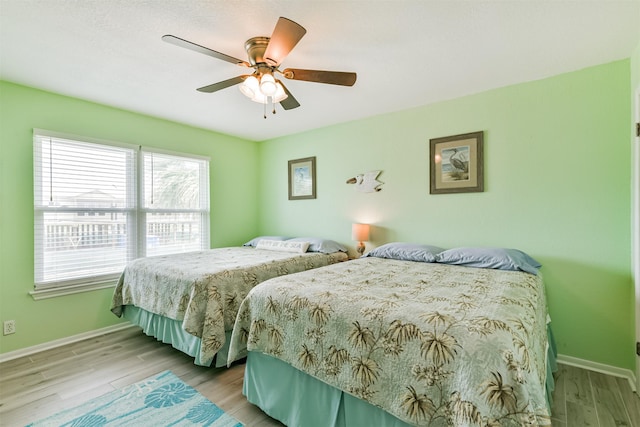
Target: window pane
(173, 233)
(85, 175)
(172, 182)
(76, 245)
(81, 191)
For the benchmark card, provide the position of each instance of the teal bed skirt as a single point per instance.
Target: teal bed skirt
(170, 331)
(297, 399)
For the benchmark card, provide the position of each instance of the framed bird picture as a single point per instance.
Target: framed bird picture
(302, 178)
(457, 164)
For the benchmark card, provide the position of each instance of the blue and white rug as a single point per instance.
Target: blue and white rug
(163, 400)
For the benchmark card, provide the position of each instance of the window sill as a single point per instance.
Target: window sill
(60, 291)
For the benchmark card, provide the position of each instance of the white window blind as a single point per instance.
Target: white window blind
(175, 203)
(100, 205)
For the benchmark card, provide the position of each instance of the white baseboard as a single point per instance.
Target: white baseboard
(599, 367)
(63, 341)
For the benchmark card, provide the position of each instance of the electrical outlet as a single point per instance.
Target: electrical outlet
(9, 327)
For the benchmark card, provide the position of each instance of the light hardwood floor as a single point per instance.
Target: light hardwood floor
(587, 398)
(42, 384)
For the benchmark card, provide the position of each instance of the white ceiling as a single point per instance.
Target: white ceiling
(406, 53)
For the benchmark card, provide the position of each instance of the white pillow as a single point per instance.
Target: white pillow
(284, 246)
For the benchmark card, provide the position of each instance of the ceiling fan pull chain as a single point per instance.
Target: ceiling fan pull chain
(265, 110)
(273, 104)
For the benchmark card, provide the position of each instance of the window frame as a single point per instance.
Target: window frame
(135, 223)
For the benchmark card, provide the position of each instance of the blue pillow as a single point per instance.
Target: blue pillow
(254, 242)
(405, 252)
(321, 245)
(497, 258)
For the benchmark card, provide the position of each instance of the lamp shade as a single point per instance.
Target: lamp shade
(360, 232)
(280, 93)
(268, 85)
(249, 87)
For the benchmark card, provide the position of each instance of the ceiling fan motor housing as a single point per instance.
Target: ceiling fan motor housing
(255, 48)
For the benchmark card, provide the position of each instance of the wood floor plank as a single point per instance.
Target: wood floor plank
(252, 415)
(631, 401)
(42, 389)
(581, 416)
(56, 353)
(17, 383)
(14, 365)
(195, 377)
(611, 410)
(16, 415)
(577, 387)
(87, 361)
(30, 366)
(559, 404)
(603, 381)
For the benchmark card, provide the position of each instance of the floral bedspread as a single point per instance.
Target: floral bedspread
(432, 344)
(204, 289)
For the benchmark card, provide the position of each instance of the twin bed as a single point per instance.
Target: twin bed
(190, 300)
(406, 335)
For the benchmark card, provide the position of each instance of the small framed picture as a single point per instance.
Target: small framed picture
(457, 164)
(302, 178)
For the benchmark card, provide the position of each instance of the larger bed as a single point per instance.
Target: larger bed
(190, 300)
(391, 342)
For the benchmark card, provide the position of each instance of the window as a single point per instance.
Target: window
(100, 205)
(176, 194)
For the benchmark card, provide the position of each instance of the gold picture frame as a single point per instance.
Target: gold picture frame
(302, 178)
(457, 164)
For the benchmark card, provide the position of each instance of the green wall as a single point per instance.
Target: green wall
(233, 202)
(557, 185)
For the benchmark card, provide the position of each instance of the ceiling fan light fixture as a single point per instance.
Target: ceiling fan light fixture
(280, 95)
(252, 88)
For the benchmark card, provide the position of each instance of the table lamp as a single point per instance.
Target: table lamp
(360, 233)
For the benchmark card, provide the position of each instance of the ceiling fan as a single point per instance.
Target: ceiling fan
(265, 56)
